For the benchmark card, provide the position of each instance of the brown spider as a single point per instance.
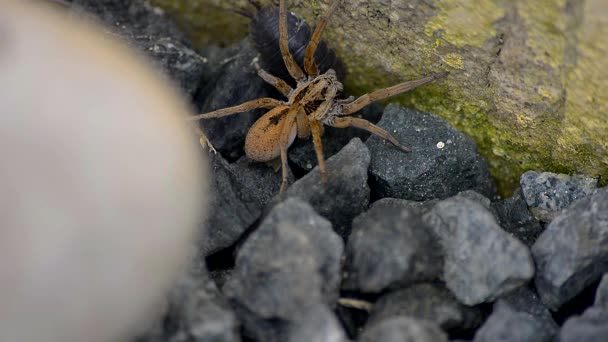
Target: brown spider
(312, 104)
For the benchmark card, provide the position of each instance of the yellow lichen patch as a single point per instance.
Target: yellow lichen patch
(524, 120)
(465, 22)
(454, 60)
(550, 93)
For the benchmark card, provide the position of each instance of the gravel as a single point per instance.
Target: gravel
(572, 252)
(427, 301)
(482, 261)
(390, 247)
(287, 268)
(547, 193)
(403, 329)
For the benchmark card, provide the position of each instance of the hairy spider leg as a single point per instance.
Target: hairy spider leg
(310, 66)
(382, 94)
(317, 130)
(290, 62)
(274, 81)
(288, 124)
(264, 102)
(347, 121)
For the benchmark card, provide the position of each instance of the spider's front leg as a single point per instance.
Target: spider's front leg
(382, 94)
(274, 81)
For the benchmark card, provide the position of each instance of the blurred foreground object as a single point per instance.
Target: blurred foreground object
(102, 183)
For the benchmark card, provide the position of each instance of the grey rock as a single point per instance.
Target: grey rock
(290, 264)
(302, 153)
(547, 193)
(129, 18)
(508, 325)
(442, 163)
(601, 294)
(390, 247)
(149, 30)
(398, 203)
(482, 261)
(592, 326)
(525, 300)
(403, 329)
(235, 82)
(260, 180)
(196, 311)
(427, 301)
(572, 252)
(233, 209)
(514, 217)
(178, 61)
(346, 193)
(318, 324)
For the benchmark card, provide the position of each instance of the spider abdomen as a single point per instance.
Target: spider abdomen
(264, 32)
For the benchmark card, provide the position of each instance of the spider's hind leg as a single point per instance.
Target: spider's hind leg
(292, 66)
(309, 55)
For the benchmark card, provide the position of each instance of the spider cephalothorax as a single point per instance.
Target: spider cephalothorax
(311, 104)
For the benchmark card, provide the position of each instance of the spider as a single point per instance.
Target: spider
(311, 104)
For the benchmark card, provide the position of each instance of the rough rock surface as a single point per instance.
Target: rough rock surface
(196, 311)
(427, 301)
(149, 30)
(285, 271)
(403, 329)
(482, 261)
(572, 252)
(508, 325)
(601, 294)
(590, 327)
(515, 218)
(346, 193)
(233, 208)
(390, 247)
(442, 163)
(547, 193)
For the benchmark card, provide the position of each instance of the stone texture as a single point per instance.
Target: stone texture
(196, 311)
(442, 163)
(427, 301)
(572, 252)
(286, 271)
(482, 261)
(530, 94)
(149, 30)
(514, 217)
(346, 193)
(233, 209)
(601, 294)
(592, 326)
(547, 193)
(524, 300)
(390, 247)
(403, 329)
(508, 325)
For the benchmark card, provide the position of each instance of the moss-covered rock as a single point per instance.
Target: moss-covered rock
(527, 79)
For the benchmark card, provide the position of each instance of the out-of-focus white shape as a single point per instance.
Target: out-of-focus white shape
(101, 182)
